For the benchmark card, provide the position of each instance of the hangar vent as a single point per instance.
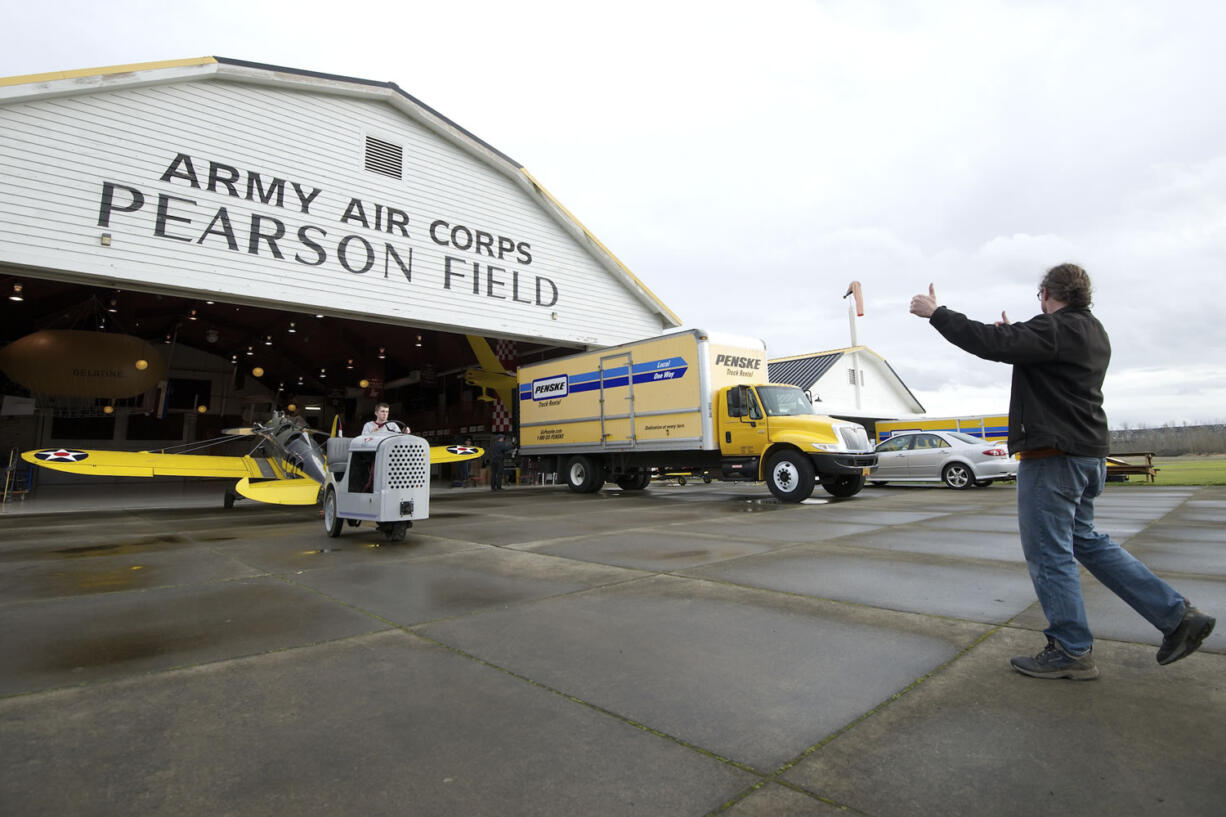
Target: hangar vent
(384, 157)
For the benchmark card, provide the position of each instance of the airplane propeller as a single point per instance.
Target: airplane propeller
(238, 432)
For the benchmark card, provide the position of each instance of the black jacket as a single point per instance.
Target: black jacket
(500, 450)
(1059, 362)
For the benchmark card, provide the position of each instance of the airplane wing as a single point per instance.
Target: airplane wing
(149, 464)
(454, 453)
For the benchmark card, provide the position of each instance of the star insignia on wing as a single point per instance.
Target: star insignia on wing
(461, 449)
(61, 455)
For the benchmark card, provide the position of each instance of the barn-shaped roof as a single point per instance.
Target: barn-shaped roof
(197, 100)
(803, 371)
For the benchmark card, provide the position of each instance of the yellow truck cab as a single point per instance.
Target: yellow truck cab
(688, 400)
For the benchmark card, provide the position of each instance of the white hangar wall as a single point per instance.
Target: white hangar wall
(253, 187)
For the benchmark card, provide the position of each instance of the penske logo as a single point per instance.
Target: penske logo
(738, 362)
(550, 388)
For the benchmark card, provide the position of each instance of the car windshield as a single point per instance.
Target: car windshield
(965, 438)
(784, 401)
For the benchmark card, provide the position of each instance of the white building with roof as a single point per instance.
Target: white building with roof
(855, 383)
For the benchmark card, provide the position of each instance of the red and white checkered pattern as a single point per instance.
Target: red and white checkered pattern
(501, 420)
(508, 356)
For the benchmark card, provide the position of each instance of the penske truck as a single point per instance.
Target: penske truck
(687, 400)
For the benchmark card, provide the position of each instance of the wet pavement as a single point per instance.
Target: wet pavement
(680, 651)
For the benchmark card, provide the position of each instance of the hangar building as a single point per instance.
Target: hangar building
(280, 237)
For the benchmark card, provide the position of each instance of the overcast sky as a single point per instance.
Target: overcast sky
(748, 161)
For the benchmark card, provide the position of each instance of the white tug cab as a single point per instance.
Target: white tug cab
(382, 478)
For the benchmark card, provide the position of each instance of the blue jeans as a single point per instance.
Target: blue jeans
(1055, 512)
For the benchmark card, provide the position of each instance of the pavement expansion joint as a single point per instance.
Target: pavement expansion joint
(594, 707)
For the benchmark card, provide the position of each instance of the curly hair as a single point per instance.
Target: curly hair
(1068, 283)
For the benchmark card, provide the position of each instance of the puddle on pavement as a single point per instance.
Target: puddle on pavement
(757, 505)
(681, 554)
(144, 544)
(83, 654)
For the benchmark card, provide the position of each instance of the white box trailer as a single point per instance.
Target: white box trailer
(689, 399)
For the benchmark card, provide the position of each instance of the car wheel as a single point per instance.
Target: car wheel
(332, 522)
(958, 475)
(790, 476)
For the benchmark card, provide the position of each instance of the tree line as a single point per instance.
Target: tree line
(1171, 440)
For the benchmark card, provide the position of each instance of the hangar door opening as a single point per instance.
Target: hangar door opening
(206, 365)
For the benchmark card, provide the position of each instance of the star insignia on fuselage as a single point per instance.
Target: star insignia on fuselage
(61, 455)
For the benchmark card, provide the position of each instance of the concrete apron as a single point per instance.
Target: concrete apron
(683, 650)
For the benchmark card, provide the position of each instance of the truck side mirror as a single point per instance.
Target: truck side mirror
(736, 402)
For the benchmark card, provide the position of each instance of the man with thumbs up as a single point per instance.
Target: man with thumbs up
(1058, 430)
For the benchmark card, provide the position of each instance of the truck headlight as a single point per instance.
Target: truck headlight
(826, 446)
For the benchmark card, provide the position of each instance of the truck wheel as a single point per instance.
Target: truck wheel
(790, 475)
(332, 522)
(844, 486)
(396, 531)
(958, 475)
(584, 475)
(635, 481)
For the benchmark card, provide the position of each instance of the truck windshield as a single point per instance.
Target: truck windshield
(784, 401)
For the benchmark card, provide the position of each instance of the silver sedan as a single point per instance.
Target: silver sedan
(957, 459)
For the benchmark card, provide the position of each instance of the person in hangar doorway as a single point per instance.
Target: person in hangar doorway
(498, 454)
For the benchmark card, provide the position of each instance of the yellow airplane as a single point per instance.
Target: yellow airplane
(291, 473)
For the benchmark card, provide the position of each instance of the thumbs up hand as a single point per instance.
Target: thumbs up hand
(925, 305)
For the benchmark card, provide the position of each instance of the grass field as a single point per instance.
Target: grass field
(1191, 469)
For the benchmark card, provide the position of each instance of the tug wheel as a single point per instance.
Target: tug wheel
(332, 522)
